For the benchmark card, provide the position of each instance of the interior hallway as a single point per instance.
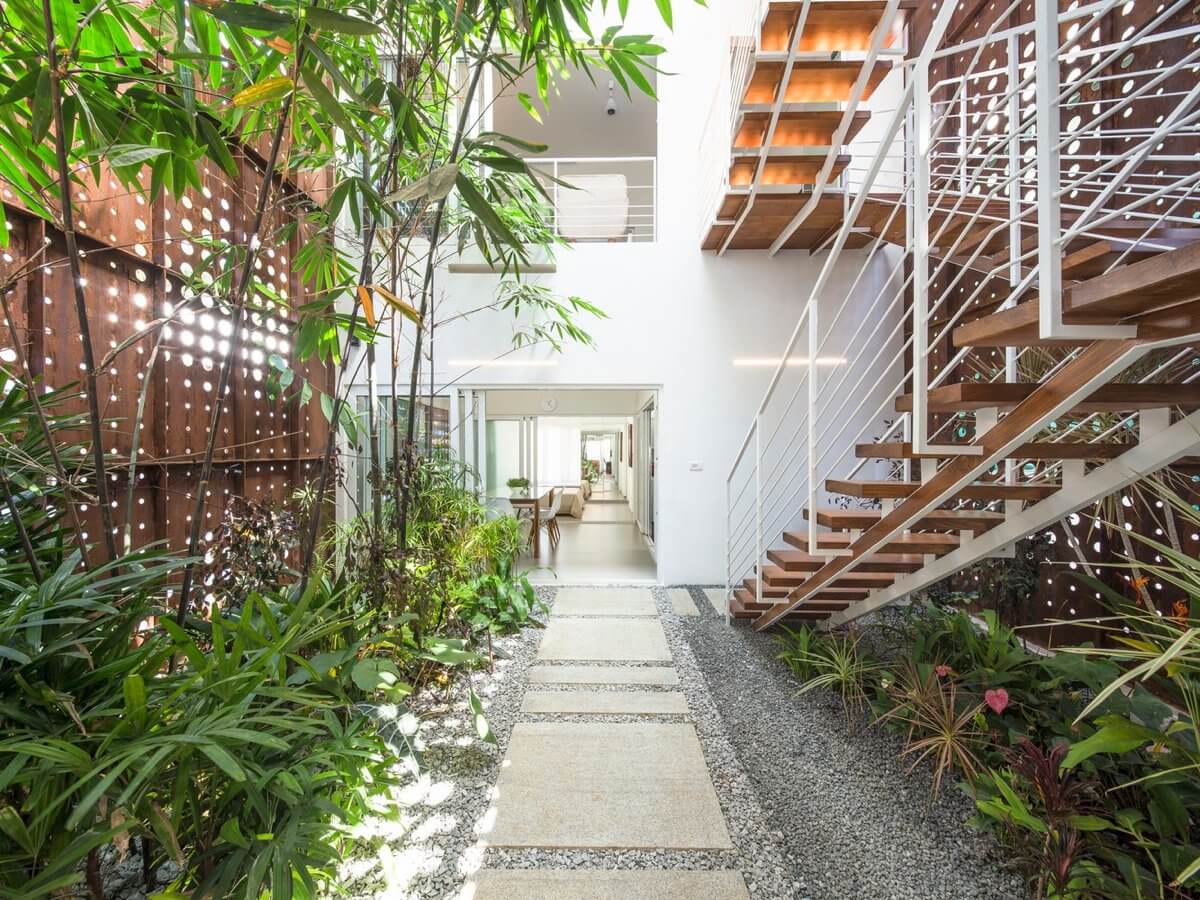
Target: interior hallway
(605, 546)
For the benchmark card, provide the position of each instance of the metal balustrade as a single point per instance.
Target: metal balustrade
(601, 199)
(1032, 145)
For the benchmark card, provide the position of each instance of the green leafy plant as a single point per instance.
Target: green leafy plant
(942, 724)
(500, 603)
(1048, 810)
(796, 646)
(840, 664)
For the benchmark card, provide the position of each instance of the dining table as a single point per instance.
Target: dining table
(534, 504)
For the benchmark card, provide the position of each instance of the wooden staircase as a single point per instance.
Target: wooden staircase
(802, 75)
(921, 530)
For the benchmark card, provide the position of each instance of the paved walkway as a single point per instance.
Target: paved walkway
(606, 758)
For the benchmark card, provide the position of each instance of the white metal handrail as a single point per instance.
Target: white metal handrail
(1012, 171)
(639, 210)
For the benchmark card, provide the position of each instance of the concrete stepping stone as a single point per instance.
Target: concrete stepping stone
(605, 785)
(604, 640)
(656, 675)
(643, 703)
(681, 602)
(718, 597)
(601, 884)
(604, 602)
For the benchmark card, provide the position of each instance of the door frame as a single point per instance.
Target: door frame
(457, 421)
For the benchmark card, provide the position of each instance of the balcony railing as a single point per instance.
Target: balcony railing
(602, 199)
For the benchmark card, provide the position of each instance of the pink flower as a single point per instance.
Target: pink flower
(943, 671)
(997, 699)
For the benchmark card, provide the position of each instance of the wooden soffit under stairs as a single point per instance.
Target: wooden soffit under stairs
(773, 173)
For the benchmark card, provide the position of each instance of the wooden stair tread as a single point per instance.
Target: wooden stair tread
(784, 170)
(797, 129)
(1135, 291)
(837, 594)
(971, 395)
(829, 26)
(1044, 450)
(811, 81)
(775, 577)
(800, 561)
(896, 490)
(744, 606)
(913, 543)
(957, 519)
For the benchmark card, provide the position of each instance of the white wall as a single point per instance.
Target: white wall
(606, 404)
(676, 318)
(575, 121)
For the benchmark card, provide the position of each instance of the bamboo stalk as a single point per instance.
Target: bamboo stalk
(240, 289)
(19, 524)
(426, 291)
(60, 471)
(81, 311)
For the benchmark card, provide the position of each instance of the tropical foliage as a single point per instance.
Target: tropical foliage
(232, 706)
(1084, 763)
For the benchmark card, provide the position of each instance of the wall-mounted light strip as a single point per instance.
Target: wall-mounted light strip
(772, 362)
(504, 363)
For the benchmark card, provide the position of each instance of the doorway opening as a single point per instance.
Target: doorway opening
(576, 466)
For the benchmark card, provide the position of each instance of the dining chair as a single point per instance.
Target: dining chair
(547, 520)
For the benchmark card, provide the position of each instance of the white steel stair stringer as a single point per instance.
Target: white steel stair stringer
(1152, 453)
(1096, 365)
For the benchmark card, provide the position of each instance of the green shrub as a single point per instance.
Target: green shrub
(840, 664)
(795, 648)
(240, 764)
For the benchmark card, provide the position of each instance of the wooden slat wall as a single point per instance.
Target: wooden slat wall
(138, 258)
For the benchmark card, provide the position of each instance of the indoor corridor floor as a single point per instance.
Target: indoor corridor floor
(604, 547)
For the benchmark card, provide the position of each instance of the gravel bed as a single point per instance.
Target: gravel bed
(615, 718)
(684, 860)
(855, 823)
(425, 843)
(762, 851)
(813, 812)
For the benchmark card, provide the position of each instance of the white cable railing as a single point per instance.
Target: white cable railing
(602, 199)
(1052, 133)
(740, 41)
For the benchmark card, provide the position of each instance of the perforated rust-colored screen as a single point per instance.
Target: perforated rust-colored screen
(138, 260)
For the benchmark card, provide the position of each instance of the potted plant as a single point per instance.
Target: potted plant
(518, 486)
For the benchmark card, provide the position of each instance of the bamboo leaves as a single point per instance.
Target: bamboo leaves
(405, 309)
(275, 88)
(247, 15)
(39, 123)
(431, 187)
(328, 102)
(342, 23)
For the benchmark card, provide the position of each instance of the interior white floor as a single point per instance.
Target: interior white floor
(603, 547)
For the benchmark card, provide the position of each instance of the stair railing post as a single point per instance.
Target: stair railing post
(758, 536)
(920, 250)
(728, 547)
(814, 343)
(963, 142)
(1014, 214)
(1048, 126)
